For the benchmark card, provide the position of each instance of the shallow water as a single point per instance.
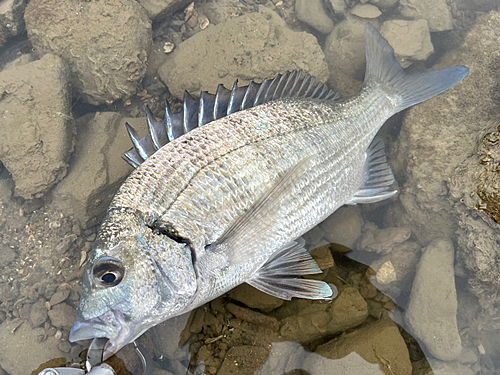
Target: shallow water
(417, 274)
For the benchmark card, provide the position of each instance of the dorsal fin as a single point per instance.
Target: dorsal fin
(209, 107)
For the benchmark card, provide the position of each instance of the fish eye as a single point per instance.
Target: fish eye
(108, 271)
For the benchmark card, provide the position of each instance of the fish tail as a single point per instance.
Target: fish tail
(384, 71)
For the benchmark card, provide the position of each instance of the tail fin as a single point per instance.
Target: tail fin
(383, 69)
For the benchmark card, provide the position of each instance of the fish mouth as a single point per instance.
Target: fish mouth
(113, 325)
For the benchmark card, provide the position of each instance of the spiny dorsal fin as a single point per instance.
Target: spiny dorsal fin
(209, 107)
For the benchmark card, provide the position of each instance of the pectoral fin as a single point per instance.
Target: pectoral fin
(279, 277)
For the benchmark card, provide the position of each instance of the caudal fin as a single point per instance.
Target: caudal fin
(383, 70)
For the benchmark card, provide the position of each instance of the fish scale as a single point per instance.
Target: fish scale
(215, 202)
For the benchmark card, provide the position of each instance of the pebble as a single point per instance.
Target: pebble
(64, 346)
(38, 314)
(60, 296)
(432, 311)
(366, 11)
(62, 315)
(343, 227)
(313, 13)
(338, 6)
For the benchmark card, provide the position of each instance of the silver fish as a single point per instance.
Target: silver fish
(227, 202)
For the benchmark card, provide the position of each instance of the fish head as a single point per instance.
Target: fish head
(131, 284)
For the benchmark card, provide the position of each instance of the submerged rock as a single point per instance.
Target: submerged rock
(436, 12)
(313, 13)
(432, 311)
(106, 44)
(255, 46)
(37, 128)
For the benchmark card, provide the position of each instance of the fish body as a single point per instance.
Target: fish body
(226, 202)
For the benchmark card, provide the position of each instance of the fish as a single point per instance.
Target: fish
(222, 193)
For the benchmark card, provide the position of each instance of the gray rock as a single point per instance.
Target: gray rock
(106, 44)
(11, 18)
(62, 315)
(384, 5)
(436, 12)
(60, 296)
(447, 368)
(7, 255)
(377, 240)
(432, 311)
(38, 314)
(161, 8)
(411, 40)
(97, 169)
(37, 124)
(313, 13)
(366, 11)
(255, 46)
(345, 54)
(342, 227)
(338, 6)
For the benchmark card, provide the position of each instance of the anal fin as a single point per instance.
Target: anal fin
(279, 276)
(378, 176)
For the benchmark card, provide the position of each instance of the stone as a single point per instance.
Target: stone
(158, 9)
(385, 5)
(379, 343)
(7, 255)
(313, 13)
(38, 314)
(106, 44)
(383, 240)
(436, 12)
(254, 298)
(97, 169)
(316, 319)
(342, 227)
(338, 6)
(431, 314)
(11, 18)
(366, 11)
(345, 54)
(244, 360)
(60, 296)
(37, 127)
(411, 40)
(437, 367)
(62, 315)
(21, 353)
(255, 46)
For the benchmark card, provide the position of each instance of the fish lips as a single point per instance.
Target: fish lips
(112, 325)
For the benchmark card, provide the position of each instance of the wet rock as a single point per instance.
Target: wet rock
(436, 12)
(7, 255)
(313, 13)
(432, 311)
(366, 11)
(60, 296)
(345, 54)
(338, 6)
(254, 298)
(411, 40)
(162, 8)
(105, 43)
(98, 169)
(244, 360)
(436, 367)
(379, 342)
(382, 240)
(317, 319)
(440, 193)
(36, 123)
(62, 315)
(385, 5)
(38, 314)
(21, 352)
(246, 48)
(342, 227)
(11, 18)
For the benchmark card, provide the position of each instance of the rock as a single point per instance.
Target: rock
(21, 352)
(254, 298)
(105, 43)
(243, 48)
(313, 13)
(243, 360)
(7, 255)
(62, 315)
(342, 227)
(38, 314)
(314, 238)
(316, 319)
(383, 240)
(436, 367)
(411, 40)
(59, 296)
(432, 310)
(11, 18)
(436, 12)
(442, 165)
(384, 5)
(345, 54)
(36, 124)
(467, 356)
(338, 6)
(97, 169)
(379, 342)
(366, 11)
(157, 9)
